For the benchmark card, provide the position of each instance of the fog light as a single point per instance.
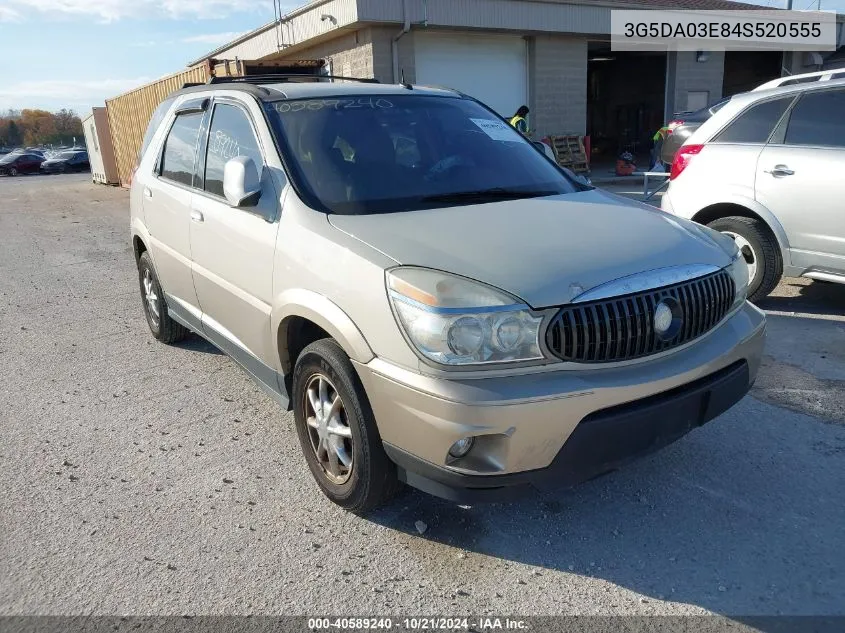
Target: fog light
(462, 447)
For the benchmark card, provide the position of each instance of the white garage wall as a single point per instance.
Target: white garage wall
(491, 68)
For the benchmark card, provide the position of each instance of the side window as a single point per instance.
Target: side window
(94, 137)
(180, 148)
(755, 124)
(231, 135)
(817, 120)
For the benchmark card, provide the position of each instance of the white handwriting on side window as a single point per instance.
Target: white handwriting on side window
(223, 145)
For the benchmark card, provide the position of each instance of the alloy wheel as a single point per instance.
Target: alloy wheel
(328, 429)
(747, 252)
(151, 296)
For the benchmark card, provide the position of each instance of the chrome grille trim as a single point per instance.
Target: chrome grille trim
(621, 328)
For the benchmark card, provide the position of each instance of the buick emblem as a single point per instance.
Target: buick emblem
(667, 318)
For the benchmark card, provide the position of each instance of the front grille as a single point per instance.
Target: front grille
(622, 328)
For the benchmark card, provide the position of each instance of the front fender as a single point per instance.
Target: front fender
(324, 313)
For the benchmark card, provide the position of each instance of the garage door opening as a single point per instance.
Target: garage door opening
(625, 102)
(493, 69)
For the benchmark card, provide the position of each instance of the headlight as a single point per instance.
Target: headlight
(452, 320)
(739, 272)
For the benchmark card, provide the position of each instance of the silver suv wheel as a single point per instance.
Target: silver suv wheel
(747, 251)
(150, 295)
(331, 437)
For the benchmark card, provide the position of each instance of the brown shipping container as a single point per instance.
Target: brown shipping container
(130, 113)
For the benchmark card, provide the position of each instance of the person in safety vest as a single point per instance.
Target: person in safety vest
(657, 143)
(518, 120)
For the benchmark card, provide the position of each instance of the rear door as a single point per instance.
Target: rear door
(728, 162)
(30, 163)
(167, 199)
(800, 179)
(233, 248)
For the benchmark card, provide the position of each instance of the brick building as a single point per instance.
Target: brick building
(553, 55)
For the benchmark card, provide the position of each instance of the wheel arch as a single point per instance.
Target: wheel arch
(302, 316)
(748, 209)
(138, 247)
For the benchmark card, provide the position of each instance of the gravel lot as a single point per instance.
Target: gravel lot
(144, 479)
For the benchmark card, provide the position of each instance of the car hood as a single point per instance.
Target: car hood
(545, 251)
(54, 161)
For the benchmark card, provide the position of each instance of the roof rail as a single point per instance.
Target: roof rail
(282, 78)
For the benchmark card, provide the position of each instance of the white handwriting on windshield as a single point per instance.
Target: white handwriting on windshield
(332, 104)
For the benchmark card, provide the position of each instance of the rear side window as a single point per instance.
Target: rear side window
(180, 149)
(817, 119)
(155, 121)
(755, 124)
(231, 135)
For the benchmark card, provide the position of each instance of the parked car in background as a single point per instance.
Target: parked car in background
(767, 170)
(15, 163)
(437, 302)
(67, 161)
(682, 126)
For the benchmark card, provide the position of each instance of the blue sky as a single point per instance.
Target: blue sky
(75, 53)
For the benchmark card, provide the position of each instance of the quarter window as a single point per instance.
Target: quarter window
(755, 124)
(817, 120)
(231, 135)
(155, 121)
(180, 148)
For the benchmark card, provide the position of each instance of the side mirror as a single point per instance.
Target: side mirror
(241, 182)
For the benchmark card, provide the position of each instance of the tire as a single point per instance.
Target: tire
(161, 325)
(764, 250)
(370, 478)
(13, 171)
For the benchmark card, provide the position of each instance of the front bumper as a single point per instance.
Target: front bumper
(557, 428)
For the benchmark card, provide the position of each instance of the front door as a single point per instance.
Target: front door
(233, 248)
(799, 178)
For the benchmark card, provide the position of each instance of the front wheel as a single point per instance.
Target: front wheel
(337, 430)
(759, 249)
(13, 171)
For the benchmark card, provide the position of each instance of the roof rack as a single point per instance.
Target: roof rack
(283, 78)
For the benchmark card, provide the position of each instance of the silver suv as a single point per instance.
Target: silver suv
(766, 169)
(437, 302)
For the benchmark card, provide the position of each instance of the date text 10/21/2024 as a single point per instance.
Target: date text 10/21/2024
(481, 625)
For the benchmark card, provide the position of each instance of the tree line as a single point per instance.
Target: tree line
(38, 127)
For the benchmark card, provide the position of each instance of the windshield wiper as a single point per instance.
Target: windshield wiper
(494, 193)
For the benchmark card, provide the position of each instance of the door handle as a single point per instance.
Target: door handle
(779, 170)
(197, 216)
(148, 192)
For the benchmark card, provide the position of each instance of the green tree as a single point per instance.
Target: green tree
(13, 134)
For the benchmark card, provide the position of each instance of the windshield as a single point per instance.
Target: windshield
(384, 154)
(66, 155)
